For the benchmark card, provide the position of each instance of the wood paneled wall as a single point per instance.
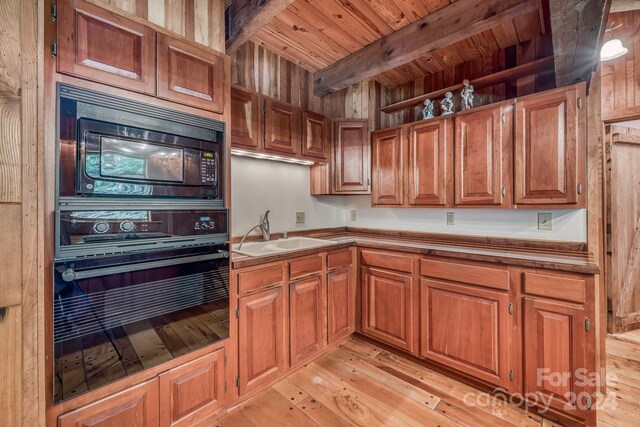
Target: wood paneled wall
(201, 21)
(20, 267)
(620, 78)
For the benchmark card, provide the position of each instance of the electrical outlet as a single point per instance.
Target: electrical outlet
(354, 214)
(300, 217)
(451, 218)
(544, 221)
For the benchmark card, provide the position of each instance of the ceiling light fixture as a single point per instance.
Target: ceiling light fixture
(613, 48)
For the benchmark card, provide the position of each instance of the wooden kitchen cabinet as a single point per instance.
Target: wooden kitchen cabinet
(136, 406)
(316, 135)
(260, 338)
(430, 170)
(190, 75)
(282, 128)
(483, 156)
(340, 304)
(387, 151)
(555, 344)
(96, 44)
(192, 392)
(550, 148)
(351, 157)
(306, 319)
(246, 119)
(466, 328)
(388, 307)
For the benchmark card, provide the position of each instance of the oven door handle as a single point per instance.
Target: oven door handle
(69, 275)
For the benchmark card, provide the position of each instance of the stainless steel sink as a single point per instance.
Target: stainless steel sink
(271, 247)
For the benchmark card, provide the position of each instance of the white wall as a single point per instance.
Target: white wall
(258, 185)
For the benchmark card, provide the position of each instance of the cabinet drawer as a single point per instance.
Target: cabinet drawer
(387, 260)
(262, 277)
(338, 259)
(305, 266)
(566, 288)
(491, 277)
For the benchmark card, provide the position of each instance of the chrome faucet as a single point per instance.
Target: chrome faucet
(264, 227)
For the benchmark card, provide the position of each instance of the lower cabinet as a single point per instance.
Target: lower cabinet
(305, 319)
(340, 304)
(387, 307)
(193, 391)
(136, 406)
(260, 340)
(466, 328)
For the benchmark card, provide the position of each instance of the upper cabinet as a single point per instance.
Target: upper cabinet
(246, 118)
(429, 171)
(316, 135)
(99, 45)
(351, 156)
(550, 148)
(387, 151)
(482, 156)
(189, 75)
(282, 128)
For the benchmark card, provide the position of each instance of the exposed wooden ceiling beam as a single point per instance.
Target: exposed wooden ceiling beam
(244, 18)
(577, 28)
(458, 21)
(624, 5)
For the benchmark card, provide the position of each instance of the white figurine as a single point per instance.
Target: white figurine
(427, 111)
(446, 105)
(467, 95)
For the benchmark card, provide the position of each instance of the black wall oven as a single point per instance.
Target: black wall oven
(141, 269)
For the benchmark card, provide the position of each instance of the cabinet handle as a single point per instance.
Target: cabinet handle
(579, 102)
(580, 188)
(504, 118)
(3, 313)
(504, 191)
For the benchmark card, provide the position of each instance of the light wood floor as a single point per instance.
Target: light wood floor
(360, 384)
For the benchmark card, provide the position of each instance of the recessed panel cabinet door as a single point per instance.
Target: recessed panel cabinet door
(387, 307)
(340, 304)
(136, 406)
(305, 319)
(550, 148)
(555, 343)
(387, 167)
(466, 328)
(351, 157)
(260, 341)
(430, 173)
(193, 391)
(482, 156)
(282, 127)
(316, 130)
(189, 75)
(246, 120)
(99, 45)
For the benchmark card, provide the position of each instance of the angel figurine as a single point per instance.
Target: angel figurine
(427, 111)
(467, 95)
(446, 105)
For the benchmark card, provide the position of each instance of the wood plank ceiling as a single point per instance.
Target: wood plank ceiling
(315, 34)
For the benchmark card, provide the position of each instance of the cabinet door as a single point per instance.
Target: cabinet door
(351, 157)
(340, 304)
(554, 346)
(316, 131)
(282, 128)
(261, 338)
(246, 117)
(387, 307)
(99, 45)
(483, 144)
(305, 319)
(387, 165)
(192, 392)
(466, 328)
(550, 151)
(429, 171)
(136, 406)
(189, 75)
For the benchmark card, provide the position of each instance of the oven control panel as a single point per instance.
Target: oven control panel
(208, 168)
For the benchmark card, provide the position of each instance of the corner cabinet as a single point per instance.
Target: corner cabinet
(387, 152)
(550, 148)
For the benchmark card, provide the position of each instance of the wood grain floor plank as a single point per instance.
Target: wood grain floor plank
(234, 418)
(290, 391)
(270, 408)
(321, 414)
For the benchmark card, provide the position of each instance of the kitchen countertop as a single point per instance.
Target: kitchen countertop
(578, 262)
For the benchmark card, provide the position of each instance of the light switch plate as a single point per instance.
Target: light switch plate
(300, 217)
(545, 221)
(354, 214)
(451, 218)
